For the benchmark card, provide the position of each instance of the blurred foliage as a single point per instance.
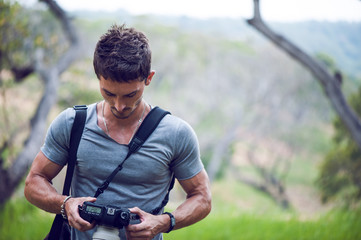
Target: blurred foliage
(77, 87)
(71, 94)
(22, 43)
(13, 31)
(340, 172)
(327, 60)
(20, 35)
(19, 220)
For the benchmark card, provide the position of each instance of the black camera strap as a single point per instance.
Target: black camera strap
(149, 124)
(75, 136)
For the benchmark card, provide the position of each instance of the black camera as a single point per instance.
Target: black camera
(107, 215)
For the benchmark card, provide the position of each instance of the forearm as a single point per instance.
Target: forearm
(192, 210)
(195, 208)
(198, 202)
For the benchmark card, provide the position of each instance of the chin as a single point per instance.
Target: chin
(121, 115)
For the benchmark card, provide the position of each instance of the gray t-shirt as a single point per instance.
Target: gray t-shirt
(144, 180)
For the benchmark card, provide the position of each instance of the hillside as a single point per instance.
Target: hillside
(340, 40)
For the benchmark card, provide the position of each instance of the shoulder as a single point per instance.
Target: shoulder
(176, 125)
(178, 133)
(68, 114)
(64, 121)
(57, 139)
(183, 127)
(183, 142)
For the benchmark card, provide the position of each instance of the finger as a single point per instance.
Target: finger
(77, 222)
(73, 214)
(91, 199)
(142, 214)
(87, 199)
(81, 224)
(139, 234)
(135, 210)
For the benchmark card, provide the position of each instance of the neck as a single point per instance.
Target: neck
(122, 130)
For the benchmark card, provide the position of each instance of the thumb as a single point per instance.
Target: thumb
(81, 200)
(91, 199)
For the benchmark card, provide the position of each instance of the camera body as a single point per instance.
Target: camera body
(107, 215)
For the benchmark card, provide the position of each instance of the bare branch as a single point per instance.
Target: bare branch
(220, 151)
(329, 83)
(256, 11)
(274, 191)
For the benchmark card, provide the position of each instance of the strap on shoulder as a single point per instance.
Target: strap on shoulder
(76, 133)
(150, 123)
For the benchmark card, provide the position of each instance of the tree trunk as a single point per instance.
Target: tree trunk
(220, 151)
(11, 177)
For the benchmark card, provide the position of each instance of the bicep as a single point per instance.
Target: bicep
(38, 188)
(197, 185)
(44, 168)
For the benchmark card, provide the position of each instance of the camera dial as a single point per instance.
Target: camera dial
(125, 215)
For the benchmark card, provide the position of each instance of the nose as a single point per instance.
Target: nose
(119, 105)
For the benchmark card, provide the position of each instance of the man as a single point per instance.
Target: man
(122, 63)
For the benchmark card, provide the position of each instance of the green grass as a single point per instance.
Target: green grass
(333, 226)
(21, 221)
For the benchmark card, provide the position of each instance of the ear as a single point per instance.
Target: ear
(149, 78)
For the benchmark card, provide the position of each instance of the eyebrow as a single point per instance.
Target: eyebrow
(131, 94)
(107, 92)
(126, 95)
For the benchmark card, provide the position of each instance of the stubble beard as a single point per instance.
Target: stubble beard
(124, 114)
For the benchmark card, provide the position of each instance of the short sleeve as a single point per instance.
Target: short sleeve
(56, 144)
(186, 162)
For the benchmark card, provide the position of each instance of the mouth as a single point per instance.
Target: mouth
(121, 115)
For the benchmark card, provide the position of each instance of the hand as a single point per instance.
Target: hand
(72, 212)
(150, 225)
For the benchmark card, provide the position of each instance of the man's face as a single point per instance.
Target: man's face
(123, 98)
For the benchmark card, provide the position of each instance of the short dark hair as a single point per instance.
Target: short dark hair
(122, 54)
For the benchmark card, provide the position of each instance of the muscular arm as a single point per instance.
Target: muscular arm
(196, 207)
(198, 203)
(40, 192)
(38, 188)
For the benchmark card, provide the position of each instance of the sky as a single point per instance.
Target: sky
(272, 10)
